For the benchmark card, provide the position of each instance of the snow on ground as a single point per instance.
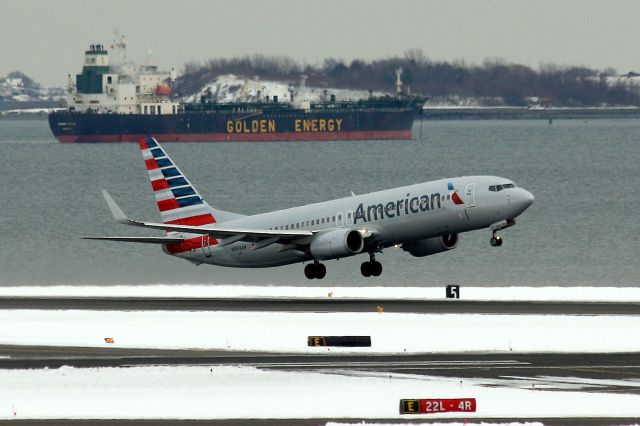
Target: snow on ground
(26, 111)
(232, 88)
(465, 423)
(553, 294)
(288, 332)
(226, 392)
(201, 392)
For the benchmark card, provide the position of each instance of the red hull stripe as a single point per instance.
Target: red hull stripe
(169, 204)
(242, 137)
(151, 164)
(160, 184)
(203, 219)
(190, 244)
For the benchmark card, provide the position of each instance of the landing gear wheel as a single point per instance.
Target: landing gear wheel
(376, 268)
(495, 241)
(365, 269)
(315, 270)
(310, 271)
(321, 271)
(372, 268)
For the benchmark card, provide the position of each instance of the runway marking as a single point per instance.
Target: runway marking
(388, 364)
(593, 369)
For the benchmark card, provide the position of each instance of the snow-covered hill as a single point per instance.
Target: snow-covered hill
(232, 88)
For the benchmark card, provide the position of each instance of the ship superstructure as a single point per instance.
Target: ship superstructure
(109, 84)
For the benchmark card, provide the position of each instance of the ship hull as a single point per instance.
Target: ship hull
(73, 127)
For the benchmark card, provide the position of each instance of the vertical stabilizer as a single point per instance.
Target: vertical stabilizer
(177, 200)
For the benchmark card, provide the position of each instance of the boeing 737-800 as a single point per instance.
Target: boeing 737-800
(423, 219)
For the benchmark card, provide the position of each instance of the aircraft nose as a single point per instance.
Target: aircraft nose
(528, 197)
(522, 200)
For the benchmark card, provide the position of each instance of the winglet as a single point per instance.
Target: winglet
(116, 211)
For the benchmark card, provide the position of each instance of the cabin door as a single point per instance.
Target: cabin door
(206, 248)
(470, 195)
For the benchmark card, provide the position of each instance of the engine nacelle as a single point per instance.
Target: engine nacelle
(431, 246)
(337, 243)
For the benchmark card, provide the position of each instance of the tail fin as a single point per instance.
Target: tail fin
(178, 201)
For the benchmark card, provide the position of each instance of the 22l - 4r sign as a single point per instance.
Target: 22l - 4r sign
(432, 406)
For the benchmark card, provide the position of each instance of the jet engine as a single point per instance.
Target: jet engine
(337, 243)
(431, 246)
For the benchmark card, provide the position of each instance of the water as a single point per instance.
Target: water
(582, 230)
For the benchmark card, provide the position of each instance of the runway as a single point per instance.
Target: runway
(476, 421)
(584, 372)
(434, 306)
(619, 366)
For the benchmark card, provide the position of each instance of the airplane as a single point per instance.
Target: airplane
(423, 219)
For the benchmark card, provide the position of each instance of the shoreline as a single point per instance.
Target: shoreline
(525, 113)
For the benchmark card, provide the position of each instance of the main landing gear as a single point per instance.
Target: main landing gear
(315, 270)
(372, 267)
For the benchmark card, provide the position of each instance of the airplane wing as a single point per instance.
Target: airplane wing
(148, 240)
(228, 235)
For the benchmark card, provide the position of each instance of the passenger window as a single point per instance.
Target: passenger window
(297, 225)
(334, 219)
(448, 197)
(307, 223)
(287, 227)
(313, 222)
(323, 220)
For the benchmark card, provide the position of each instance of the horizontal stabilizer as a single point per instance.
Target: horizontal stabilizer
(146, 240)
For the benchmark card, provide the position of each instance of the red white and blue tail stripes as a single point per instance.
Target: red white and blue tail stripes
(177, 199)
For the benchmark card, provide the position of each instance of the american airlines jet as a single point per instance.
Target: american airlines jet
(423, 219)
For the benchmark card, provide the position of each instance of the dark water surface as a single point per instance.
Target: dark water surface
(582, 230)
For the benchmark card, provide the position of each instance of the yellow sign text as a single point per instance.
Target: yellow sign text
(318, 125)
(251, 126)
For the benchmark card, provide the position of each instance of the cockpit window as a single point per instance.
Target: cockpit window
(498, 188)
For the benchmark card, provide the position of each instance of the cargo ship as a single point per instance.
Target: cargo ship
(113, 100)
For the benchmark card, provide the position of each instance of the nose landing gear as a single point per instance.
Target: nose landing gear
(496, 240)
(315, 270)
(371, 268)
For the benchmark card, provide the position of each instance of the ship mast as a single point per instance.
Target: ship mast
(399, 82)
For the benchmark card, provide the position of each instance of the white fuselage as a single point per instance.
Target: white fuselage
(387, 218)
